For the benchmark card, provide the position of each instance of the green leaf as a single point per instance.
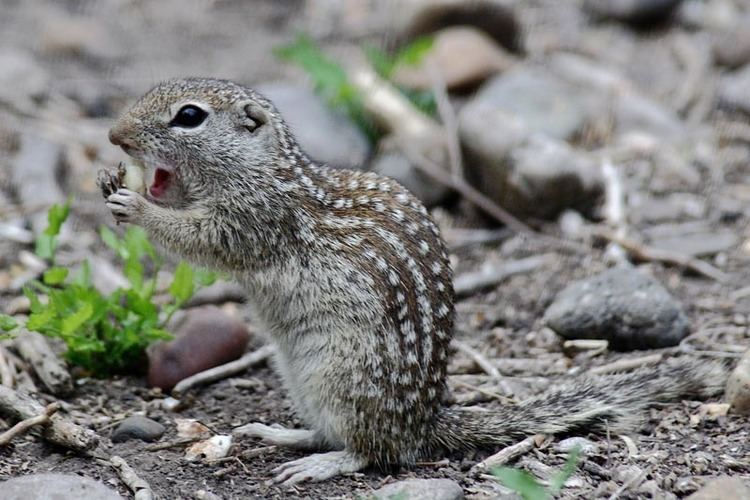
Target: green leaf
(45, 246)
(56, 216)
(412, 54)
(182, 284)
(38, 321)
(110, 239)
(7, 323)
(558, 480)
(521, 482)
(83, 278)
(55, 275)
(134, 272)
(73, 322)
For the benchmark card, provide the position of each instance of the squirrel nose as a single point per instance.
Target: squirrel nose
(118, 135)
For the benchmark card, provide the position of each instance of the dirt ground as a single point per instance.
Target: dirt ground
(678, 448)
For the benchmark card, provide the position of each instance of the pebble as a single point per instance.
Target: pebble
(737, 392)
(325, 135)
(586, 446)
(722, 488)
(421, 489)
(622, 305)
(631, 474)
(55, 487)
(698, 240)
(207, 337)
(397, 166)
(462, 56)
(137, 427)
(732, 48)
(528, 175)
(540, 100)
(635, 12)
(732, 91)
(496, 19)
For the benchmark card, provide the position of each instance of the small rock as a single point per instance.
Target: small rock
(540, 100)
(529, 175)
(722, 488)
(137, 427)
(697, 241)
(732, 92)
(191, 428)
(732, 48)
(210, 449)
(55, 487)
(327, 136)
(397, 166)
(206, 338)
(626, 307)
(636, 12)
(586, 446)
(685, 485)
(462, 56)
(737, 393)
(421, 489)
(631, 474)
(492, 17)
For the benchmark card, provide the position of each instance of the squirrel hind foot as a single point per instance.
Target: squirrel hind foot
(318, 467)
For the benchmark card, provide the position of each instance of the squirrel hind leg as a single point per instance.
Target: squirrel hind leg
(318, 467)
(298, 439)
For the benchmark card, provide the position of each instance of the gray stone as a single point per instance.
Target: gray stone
(55, 487)
(542, 102)
(622, 305)
(529, 175)
(397, 166)
(137, 427)
(421, 489)
(327, 136)
(694, 239)
(732, 48)
(722, 488)
(733, 94)
(637, 12)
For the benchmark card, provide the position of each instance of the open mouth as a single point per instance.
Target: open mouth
(139, 172)
(162, 179)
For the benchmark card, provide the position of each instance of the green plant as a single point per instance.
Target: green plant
(330, 81)
(105, 334)
(527, 485)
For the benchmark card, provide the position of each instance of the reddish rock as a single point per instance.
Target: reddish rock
(207, 337)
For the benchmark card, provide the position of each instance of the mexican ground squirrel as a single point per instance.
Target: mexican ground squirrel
(351, 280)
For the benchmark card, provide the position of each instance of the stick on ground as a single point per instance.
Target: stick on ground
(24, 425)
(509, 453)
(221, 372)
(140, 488)
(18, 406)
(50, 369)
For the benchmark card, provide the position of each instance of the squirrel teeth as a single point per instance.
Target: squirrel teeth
(134, 175)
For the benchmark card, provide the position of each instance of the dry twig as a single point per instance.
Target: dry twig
(6, 369)
(645, 253)
(509, 453)
(35, 350)
(221, 372)
(492, 273)
(140, 488)
(19, 406)
(622, 365)
(26, 424)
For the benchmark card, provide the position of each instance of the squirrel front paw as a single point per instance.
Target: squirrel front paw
(110, 180)
(126, 205)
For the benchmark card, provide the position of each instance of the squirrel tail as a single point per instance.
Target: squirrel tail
(595, 404)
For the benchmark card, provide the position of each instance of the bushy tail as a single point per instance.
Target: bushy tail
(614, 402)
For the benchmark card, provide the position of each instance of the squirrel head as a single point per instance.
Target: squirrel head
(198, 134)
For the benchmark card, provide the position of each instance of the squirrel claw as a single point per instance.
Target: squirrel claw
(125, 205)
(318, 467)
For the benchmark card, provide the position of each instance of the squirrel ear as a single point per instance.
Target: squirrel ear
(255, 116)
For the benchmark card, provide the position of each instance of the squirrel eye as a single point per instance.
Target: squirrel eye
(188, 116)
